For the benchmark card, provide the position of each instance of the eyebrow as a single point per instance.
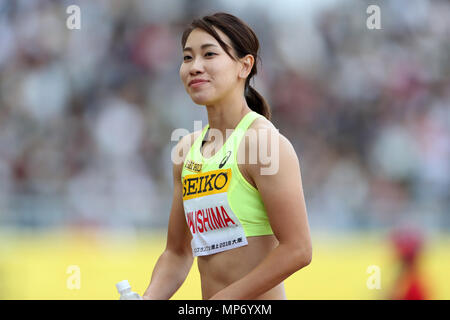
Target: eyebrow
(202, 46)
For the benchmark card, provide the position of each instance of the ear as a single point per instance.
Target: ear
(247, 65)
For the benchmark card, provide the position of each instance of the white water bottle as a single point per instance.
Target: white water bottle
(125, 292)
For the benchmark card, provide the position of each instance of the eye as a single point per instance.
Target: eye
(186, 58)
(210, 54)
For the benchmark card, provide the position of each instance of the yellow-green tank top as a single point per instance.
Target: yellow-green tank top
(221, 207)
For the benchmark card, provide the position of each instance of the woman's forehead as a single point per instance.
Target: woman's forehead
(199, 37)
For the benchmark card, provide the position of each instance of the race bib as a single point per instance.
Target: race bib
(213, 225)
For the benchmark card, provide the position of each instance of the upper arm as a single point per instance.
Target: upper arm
(178, 234)
(280, 186)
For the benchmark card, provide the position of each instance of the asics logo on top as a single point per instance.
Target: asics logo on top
(224, 160)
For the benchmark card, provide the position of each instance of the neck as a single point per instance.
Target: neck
(227, 113)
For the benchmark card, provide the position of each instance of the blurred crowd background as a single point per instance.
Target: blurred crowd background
(86, 116)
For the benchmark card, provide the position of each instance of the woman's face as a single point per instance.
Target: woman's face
(205, 61)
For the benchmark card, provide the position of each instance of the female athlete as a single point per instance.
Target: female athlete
(238, 203)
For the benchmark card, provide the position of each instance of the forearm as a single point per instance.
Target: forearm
(279, 264)
(168, 275)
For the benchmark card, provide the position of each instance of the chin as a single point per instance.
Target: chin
(201, 100)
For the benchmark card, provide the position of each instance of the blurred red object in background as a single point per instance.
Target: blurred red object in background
(410, 283)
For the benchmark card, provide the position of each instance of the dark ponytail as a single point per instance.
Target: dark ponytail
(256, 102)
(244, 41)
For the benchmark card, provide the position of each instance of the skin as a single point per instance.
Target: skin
(253, 271)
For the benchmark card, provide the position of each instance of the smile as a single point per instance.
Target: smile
(196, 83)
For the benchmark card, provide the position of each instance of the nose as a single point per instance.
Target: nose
(196, 67)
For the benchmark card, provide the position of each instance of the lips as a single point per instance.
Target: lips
(197, 82)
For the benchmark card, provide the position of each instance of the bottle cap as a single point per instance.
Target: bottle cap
(122, 285)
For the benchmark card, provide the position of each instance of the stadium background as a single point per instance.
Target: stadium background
(86, 118)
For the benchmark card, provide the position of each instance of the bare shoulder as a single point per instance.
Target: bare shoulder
(272, 149)
(262, 123)
(269, 136)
